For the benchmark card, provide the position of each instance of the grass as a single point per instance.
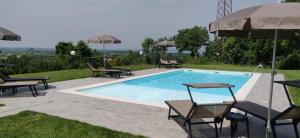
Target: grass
(28, 124)
(288, 74)
(75, 73)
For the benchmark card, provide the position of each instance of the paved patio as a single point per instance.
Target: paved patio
(134, 118)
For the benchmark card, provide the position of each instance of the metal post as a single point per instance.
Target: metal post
(269, 130)
(103, 54)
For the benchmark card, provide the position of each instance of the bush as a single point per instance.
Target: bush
(292, 61)
(192, 60)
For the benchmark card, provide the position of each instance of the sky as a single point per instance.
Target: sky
(43, 23)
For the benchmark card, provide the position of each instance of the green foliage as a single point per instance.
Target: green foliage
(191, 40)
(83, 50)
(186, 59)
(146, 46)
(132, 58)
(28, 124)
(248, 51)
(63, 49)
(292, 0)
(292, 61)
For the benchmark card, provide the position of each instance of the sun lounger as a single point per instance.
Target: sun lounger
(110, 72)
(291, 113)
(127, 71)
(164, 63)
(191, 112)
(15, 85)
(175, 63)
(7, 78)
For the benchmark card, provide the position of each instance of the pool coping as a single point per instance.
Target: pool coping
(240, 95)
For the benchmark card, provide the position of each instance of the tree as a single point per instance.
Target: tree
(191, 40)
(292, 0)
(63, 49)
(83, 50)
(147, 46)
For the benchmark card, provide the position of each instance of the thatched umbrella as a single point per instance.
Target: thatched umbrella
(104, 39)
(271, 21)
(166, 43)
(8, 35)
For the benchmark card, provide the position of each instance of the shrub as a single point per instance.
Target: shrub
(292, 61)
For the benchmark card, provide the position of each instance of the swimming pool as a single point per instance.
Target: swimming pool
(155, 89)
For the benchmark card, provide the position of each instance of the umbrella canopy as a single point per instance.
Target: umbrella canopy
(104, 39)
(8, 35)
(277, 21)
(260, 21)
(166, 43)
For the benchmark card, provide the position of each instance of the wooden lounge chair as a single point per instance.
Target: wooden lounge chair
(164, 63)
(175, 63)
(127, 71)
(7, 78)
(15, 85)
(110, 72)
(291, 113)
(191, 112)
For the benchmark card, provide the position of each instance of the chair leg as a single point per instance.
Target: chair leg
(45, 84)
(233, 127)
(247, 125)
(36, 93)
(32, 91)
(190, 130)
(13, 90)
(221, 126)
(273, 130)
(295, 128)
(216, 130)
(169, 113)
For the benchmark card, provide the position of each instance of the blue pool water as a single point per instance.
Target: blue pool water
(168, 86)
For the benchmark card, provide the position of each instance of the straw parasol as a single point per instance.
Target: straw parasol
(270, 21)
(166, 43)
(104, 39)
(8, 35)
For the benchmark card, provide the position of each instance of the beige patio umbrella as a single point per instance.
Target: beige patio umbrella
(104, 39)
(8, 35)
(166, 43)
(271, 21)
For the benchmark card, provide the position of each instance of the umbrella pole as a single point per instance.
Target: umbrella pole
(103, 55)
(269, 130)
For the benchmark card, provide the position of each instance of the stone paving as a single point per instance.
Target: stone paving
(139, 119)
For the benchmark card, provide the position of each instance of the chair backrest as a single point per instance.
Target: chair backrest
(173, 61)
(91, 66)
(3, 76)
(218, 110)
(164, 61)
(107, 65)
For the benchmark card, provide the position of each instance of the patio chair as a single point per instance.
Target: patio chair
(165, 63)
(193, 113)
(7, 78)
(175, 63)
(291, 113)
(127, 71)
(110, 72)
(15, 85)
(190, 112)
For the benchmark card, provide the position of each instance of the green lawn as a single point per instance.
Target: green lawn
(30, 124)
(75, 73)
